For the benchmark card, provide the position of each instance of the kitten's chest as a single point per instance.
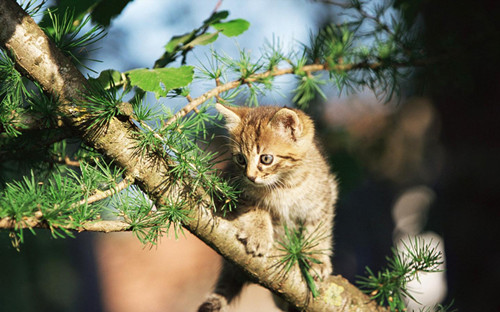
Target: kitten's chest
(292, 205)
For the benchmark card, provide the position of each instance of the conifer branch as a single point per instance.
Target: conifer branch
(100, 195)
(308, 69)
(40, 60)
(106, 226)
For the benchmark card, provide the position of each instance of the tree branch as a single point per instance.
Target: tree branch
(40, 60)
(220, 88)
(106, 226)
(308, 69)
(100, 195)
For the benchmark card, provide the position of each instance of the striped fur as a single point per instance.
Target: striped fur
(285, 180)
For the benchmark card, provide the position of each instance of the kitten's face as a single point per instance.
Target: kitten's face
(267, 143)
(260, 162)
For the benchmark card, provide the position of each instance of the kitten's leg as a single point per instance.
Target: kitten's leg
(229, 285)
(255, 231)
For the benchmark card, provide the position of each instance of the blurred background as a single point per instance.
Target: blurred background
(426, 165)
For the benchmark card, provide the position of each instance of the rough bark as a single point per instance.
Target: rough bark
(38, 58)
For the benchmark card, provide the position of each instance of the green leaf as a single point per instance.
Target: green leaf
(177, 40)
(203, 39)
(161, 80)
(232, 28)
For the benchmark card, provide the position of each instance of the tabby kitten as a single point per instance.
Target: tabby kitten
(285, 180)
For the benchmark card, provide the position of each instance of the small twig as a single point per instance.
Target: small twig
(69, 162)
(273, 73)
(201, 99)
(100, 195)
(217, 84)
(105, 226)
(217, 6)
(232, 85)
(66, 161)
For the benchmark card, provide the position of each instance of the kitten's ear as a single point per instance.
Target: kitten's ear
(288, 123)
(232, 118)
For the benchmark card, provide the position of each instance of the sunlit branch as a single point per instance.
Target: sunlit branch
(105, 226)
(100, 195)
(220, 88)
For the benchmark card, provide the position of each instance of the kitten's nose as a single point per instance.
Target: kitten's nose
(251, 178)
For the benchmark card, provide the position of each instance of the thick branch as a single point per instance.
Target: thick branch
(38, 58)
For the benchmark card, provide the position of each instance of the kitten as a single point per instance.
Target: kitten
(285, 180)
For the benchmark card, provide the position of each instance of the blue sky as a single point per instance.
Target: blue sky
(137, 37)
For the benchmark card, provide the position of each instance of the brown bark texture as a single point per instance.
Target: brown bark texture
(37, 58)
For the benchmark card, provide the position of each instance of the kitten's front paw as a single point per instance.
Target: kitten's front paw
(256, 244)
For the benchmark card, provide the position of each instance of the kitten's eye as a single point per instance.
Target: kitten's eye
(266, 159)
(240, 159)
